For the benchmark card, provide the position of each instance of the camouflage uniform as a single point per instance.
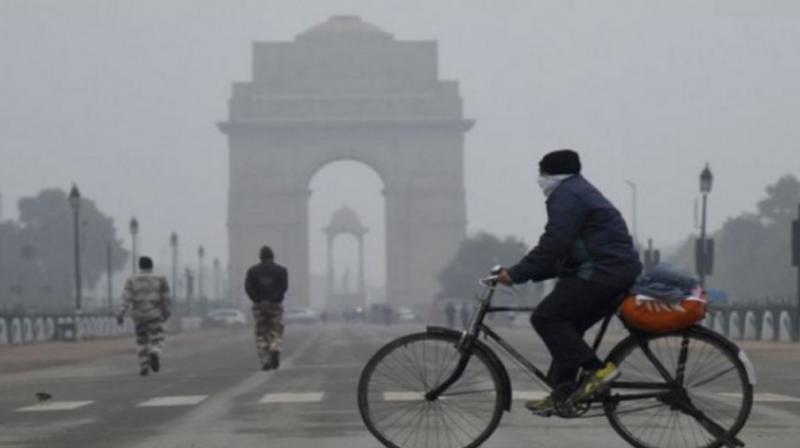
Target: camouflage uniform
(268, 319)
(266, 285)
(147, 296)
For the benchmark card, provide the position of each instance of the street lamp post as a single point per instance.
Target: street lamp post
(75, 203)
(706, 180)
(216, 279)
(796, 263)
(173, 242)
(634, 217)
(109, 278)
(201, 253)
(134, 228)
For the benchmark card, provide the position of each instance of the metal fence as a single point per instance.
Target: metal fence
(28, 329)
(767, 320)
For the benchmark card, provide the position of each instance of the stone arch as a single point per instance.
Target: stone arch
(345, 90)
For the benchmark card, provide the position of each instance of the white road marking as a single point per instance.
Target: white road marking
(185, 400)
(300, 397)
(528, 395)
(55, 406)
(402, 396)
(766, 397)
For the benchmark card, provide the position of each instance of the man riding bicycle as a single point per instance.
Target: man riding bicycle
(587, 247)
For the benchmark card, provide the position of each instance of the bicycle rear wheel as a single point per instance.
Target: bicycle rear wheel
(715, 382)
(392, 387)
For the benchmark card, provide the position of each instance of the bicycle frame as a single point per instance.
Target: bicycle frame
(476, 327)
(670, 391)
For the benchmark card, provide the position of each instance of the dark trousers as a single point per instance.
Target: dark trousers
(562, 319)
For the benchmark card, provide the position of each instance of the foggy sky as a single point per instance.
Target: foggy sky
(122, 97)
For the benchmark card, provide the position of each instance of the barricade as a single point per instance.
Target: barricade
(785, 327)
(15, 336)
(768, 327)
(27, 331)
(734, 326)
(4, 339)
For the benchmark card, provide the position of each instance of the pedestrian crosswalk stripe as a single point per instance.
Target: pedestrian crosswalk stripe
(185, 400)
(766, 397)
(414, 396)
(301, 397)
(520, 395)
(402, 396)
(55, 406)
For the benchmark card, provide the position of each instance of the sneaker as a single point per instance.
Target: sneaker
(597, 381)
(155, 362)
(276, 359)
(544, 407)
(143, 371)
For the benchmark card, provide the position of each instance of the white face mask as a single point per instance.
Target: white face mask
(549, 183)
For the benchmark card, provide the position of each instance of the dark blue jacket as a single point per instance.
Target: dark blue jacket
(585, 236)
(266, 282)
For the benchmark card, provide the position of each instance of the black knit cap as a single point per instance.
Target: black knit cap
(563, 161)
(145, 263)
(266, 253)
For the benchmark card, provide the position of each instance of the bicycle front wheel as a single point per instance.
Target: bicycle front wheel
(714, 381)
(392, 387)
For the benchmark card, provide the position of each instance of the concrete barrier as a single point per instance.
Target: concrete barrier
(734, 331)
(785, 327)
(750, 327)
(49, 329)
(27, 330)
(15, 335)
(719, 324)
(768, 327)
(38, 330)
(4, 338)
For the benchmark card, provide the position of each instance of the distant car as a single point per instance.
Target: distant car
(226, 317)
(300, 315)
(405, 314)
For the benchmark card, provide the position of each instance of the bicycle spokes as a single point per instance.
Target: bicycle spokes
(679, 390)
(399, 409)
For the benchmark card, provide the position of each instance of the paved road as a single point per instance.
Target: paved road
(210, 394)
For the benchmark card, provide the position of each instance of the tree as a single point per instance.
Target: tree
(41, 250)
(752, 258)
(474, 259)
(781, 202)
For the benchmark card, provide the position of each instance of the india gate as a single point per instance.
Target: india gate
(346, 90)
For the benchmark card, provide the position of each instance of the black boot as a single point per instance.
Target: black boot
(276, 359)
(144, 371)
(155, 361)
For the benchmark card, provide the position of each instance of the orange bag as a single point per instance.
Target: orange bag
(654, 316)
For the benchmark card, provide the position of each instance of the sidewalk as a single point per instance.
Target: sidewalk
(20, 358)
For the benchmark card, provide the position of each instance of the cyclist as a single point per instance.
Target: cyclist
(587, 247)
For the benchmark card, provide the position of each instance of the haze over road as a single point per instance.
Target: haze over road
(211, 395)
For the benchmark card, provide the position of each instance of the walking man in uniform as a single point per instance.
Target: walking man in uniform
(147, 295)
(266, 285)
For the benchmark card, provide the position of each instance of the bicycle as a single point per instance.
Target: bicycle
(445, 388)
